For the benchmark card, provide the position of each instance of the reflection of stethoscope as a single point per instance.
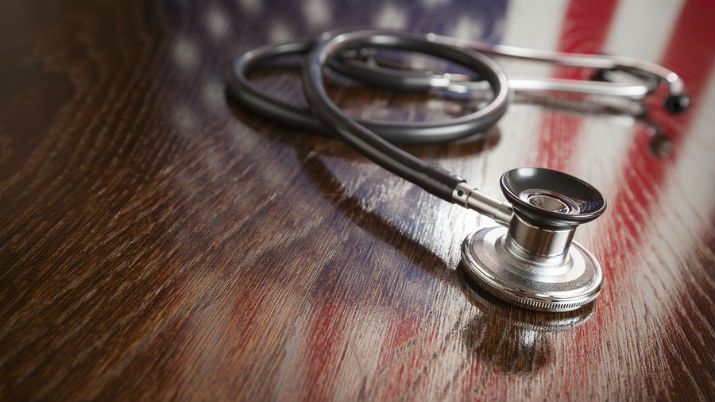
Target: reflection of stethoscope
(532, 262)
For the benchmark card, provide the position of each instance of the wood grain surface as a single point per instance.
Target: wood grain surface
(158, 242)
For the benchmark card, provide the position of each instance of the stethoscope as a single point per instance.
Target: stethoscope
(530, 259)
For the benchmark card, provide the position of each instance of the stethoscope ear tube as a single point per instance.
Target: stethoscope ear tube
(435, 180)
(370, 68)
(259, 102)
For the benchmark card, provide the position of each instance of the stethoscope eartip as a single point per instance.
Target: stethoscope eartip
(599, 75)
(677, 103)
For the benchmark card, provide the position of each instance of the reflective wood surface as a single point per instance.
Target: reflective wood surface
(159, 242)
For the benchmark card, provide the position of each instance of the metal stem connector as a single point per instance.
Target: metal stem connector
(469, 197)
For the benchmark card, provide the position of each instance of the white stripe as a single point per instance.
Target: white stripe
(535, 25)
(629, 37)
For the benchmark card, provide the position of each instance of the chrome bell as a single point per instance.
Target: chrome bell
(534, 263)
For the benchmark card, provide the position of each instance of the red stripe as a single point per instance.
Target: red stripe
(327, 329)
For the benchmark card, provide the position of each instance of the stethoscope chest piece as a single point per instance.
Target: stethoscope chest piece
(533, 262)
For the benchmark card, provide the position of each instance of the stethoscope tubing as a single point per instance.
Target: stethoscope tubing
(434, 180)
(451, 85)
(402, 133)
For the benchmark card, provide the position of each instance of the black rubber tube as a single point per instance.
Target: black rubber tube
(435, 180)
(250, 97)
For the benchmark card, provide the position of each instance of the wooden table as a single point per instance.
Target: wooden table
(159, 242)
